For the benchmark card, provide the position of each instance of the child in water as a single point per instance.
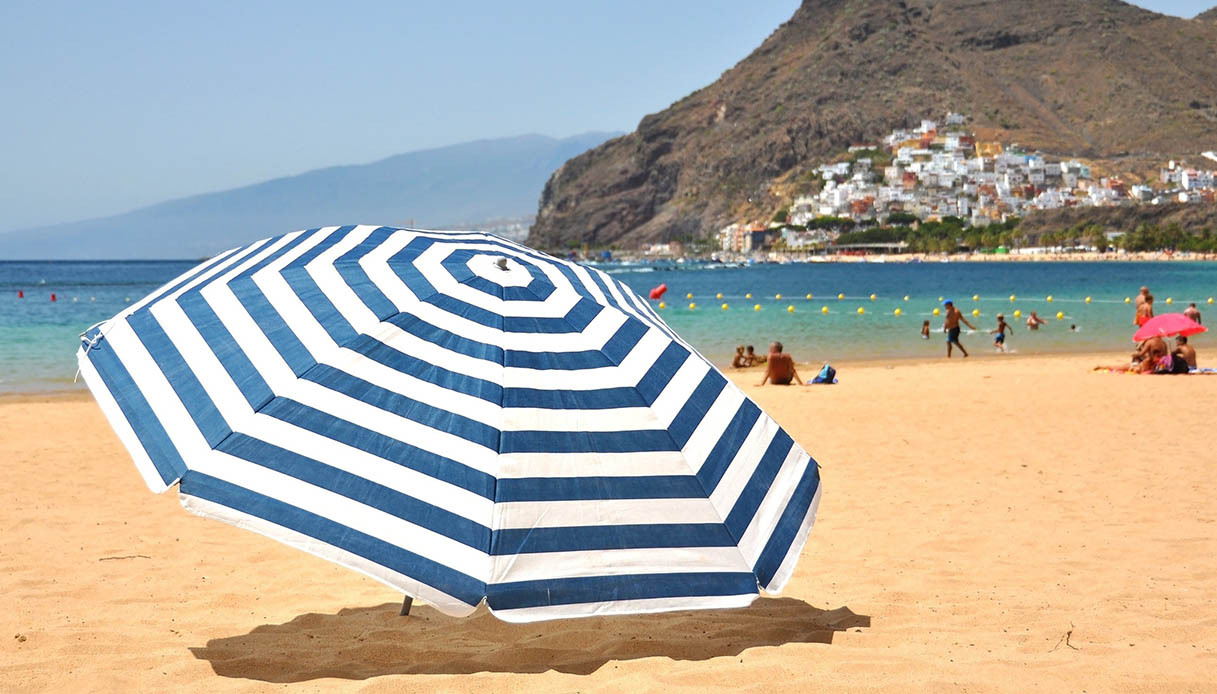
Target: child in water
(999, 342)
(925, 330)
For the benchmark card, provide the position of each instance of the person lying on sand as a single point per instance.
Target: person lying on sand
(781, 367)
(1185, 351)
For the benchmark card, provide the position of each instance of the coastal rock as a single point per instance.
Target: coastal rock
(1084, 78)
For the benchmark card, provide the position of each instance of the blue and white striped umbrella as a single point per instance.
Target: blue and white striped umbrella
(459, 417)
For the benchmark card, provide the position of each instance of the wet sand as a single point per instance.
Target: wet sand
(995, 524)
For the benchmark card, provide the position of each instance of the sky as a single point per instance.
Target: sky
(109, 106)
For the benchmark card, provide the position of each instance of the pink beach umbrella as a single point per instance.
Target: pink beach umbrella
(1168, 325)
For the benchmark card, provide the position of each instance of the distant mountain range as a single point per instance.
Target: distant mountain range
(1117, 85)
(469, 185)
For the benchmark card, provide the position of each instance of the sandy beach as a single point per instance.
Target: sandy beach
(994, 524)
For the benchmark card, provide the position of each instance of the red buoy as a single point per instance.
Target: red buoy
(20, 294)
(52, 296)
(657, 292)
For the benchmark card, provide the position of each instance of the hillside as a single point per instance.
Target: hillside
(465, 184)
(1209, 15)
(1099, 79)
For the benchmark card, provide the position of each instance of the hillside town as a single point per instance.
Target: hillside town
(941, 170)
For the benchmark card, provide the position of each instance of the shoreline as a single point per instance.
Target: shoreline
(81, 392)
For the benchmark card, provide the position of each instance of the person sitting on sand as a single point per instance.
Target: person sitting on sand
(999, 342)
(1193, 313)
(1148, 354)
(1137, 305)
(781, 367)
(752, 358)
(1145, 310)
(925, 330)
(950, 325)
(1034, 321)
(739, 361)
(1185, 351)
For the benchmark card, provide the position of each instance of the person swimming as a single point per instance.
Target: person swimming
(925, 330)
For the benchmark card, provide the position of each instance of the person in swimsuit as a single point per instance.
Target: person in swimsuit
(1034, 321)
(999, 342)
(739, 361)
(950, 324)
(1136, 316)
(925, 330)
(1192, 313)
(1145, 310)
(1185, 351)
(780, 367)
(751, 358)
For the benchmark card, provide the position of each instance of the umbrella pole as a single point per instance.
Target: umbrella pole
(405, 606)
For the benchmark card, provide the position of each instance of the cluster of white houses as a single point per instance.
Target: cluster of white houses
(940, 170)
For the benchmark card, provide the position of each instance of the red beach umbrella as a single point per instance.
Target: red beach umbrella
(1168, 325)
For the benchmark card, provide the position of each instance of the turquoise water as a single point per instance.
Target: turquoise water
(38, 337)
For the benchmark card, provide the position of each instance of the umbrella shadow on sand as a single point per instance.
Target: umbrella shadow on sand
(364, 642)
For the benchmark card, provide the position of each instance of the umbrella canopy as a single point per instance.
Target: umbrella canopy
(1167, 325)
(459, 417)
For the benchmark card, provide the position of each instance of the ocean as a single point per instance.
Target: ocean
(39, 337)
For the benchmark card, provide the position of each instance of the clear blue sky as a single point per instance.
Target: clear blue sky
(107, 106)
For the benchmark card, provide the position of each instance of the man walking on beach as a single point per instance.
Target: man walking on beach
(780, 368)
(950, 323)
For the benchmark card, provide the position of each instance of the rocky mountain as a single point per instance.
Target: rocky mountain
(1099, 79)
(471, 184)
(1209, 15)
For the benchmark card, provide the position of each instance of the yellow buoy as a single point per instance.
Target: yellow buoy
(872, 297)
(975, 312)
(689, 295)
(823, 309)
(790, 309)
(937, 311)
(1088, 300)
(1210, 299)
(1012, 297)
(1018, 313)
(1049, 299)
(940, 299)
(976, 297)
(809, 296)
(906, 297)
(840, 297)
(718, 295)
(1060, 315)
(748, 295)
(756, 307)
(861, 310)
(1170, 300)
(778, 297)
(662, 305)
(897, 312)
(1127, 300)
(724, 307)
(692, 306)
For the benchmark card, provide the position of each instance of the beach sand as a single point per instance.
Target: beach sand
(995, 524)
